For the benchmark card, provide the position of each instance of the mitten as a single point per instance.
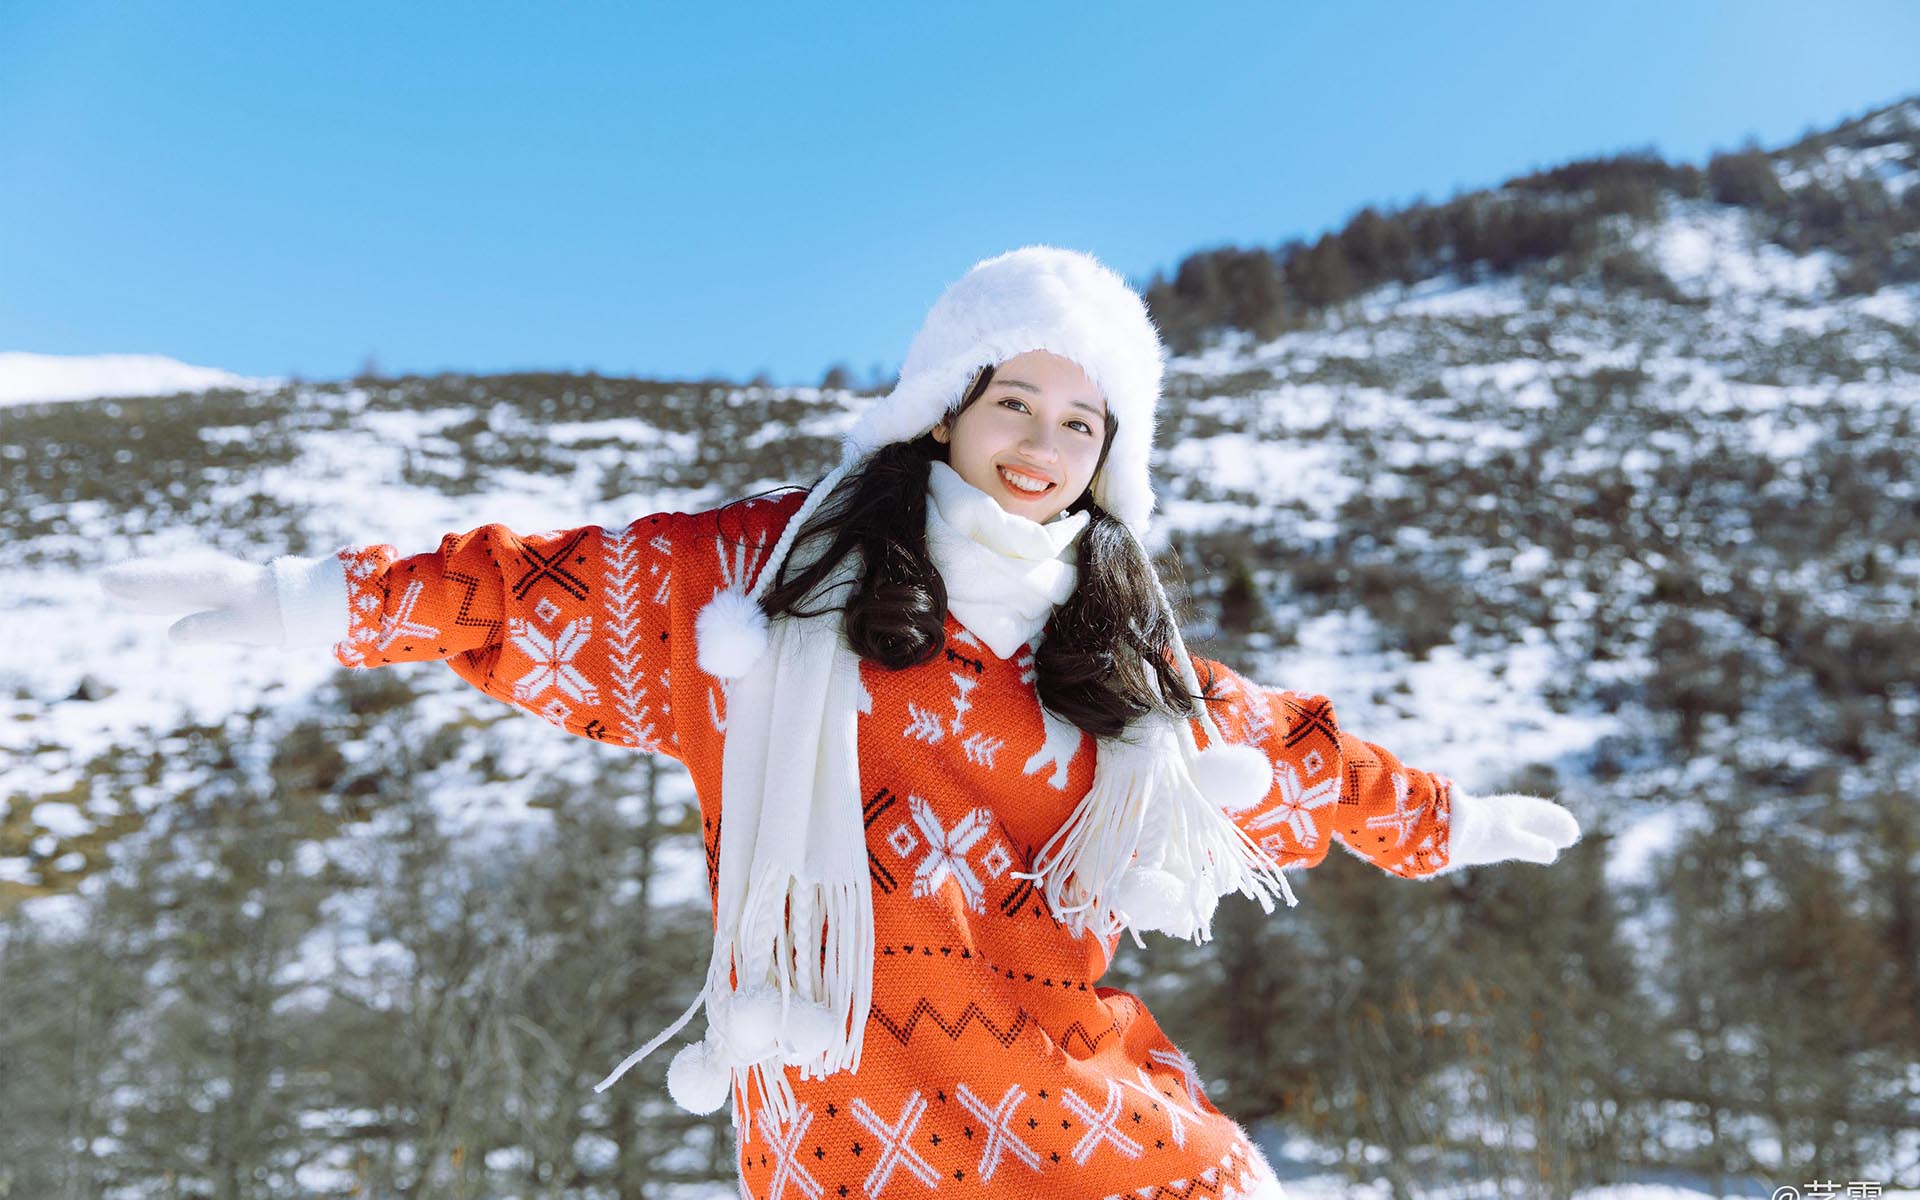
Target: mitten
(289, 602)
(1490, 829)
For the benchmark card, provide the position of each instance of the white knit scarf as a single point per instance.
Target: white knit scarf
(1004, 573)
(790, 980)
(792, 843)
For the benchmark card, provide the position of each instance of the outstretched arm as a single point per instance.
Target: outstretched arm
(571, 624)
(1330, 786)
(593, 629)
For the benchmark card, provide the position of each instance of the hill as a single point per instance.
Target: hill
(1598, 484)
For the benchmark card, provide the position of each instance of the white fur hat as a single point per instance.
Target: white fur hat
(1065, 302)
(1035, 298)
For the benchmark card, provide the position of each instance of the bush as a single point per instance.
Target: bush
(1747, 179)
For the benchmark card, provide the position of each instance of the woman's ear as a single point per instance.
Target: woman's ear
(941, 433)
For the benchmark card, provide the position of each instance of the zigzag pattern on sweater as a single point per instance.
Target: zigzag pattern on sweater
(902, 1031)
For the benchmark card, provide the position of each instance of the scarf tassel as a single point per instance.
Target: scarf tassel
(1150, 846)
(804, 1010)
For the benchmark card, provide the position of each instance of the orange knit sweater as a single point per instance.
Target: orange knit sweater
(995, 1063)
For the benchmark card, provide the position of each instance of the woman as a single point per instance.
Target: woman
(948, 744)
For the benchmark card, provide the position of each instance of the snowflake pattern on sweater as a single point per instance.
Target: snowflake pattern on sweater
(995, 1062)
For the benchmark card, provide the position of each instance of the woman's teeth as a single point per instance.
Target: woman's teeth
(1021, 483)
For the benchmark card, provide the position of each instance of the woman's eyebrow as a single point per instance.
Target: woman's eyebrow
(1025, 386)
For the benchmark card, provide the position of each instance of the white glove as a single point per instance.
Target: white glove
(289, 602)
(1490, 829)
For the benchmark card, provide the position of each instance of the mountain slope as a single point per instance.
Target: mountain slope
(37, 378)
(1611, 496)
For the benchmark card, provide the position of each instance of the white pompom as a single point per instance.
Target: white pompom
(1152, 899)
(731, 633)
(753, 1024)
(811, 1031)
(1233, 776)
(697, 1080)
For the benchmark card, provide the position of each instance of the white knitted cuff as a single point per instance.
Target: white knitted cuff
(1465, 842)
(313, 598)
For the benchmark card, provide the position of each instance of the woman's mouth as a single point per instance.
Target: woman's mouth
(1022, 484)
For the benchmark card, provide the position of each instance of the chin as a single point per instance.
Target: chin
(1038, 514)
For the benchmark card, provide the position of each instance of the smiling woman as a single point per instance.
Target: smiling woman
(1035, 440)
(1108, 657)
(927, 862)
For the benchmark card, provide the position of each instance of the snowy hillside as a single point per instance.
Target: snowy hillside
(30, 378)
(1648, 543)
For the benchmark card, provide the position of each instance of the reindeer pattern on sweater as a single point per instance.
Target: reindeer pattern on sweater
(995, 1062)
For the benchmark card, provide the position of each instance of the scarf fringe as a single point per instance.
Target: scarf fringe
(1145, 812)
(778, 1102)
(1079, 867)
(803, 942)
(758, 979)
(817, 966)
(790, 977)
(1240, 865)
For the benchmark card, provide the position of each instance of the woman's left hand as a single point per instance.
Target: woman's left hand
(1490, 829)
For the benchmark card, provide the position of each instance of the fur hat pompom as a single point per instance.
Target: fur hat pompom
(810, 1031)
(753, 1023)
(1152, 899)
(731, 633)
(1233, 776)
(697, 1080)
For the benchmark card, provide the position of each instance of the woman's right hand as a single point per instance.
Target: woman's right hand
(226, 599)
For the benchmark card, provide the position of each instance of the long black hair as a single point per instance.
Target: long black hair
(1092, 665)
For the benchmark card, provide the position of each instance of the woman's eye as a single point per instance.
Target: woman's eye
(1076, 423)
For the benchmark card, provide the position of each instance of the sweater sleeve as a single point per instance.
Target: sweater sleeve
(571, 625)
(1328, 785)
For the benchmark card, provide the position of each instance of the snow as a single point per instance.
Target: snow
(1894, 165)
(33, 378)
(1713, 251)
(1896, 305)
(1446, 296)
(1901, 119)
(1519, 383)
(1283, 454)
(1474, 719)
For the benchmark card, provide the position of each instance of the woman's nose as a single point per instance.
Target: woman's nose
(1040, 447)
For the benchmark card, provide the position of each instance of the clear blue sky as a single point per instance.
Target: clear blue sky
(680, 190)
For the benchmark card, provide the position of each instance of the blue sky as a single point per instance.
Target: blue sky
(689, 190)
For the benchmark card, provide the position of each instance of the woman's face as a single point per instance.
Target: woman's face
(1040, 422)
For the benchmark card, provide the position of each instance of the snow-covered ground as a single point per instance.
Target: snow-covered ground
(1275, 459)
(31, 378)
(1436, 380)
